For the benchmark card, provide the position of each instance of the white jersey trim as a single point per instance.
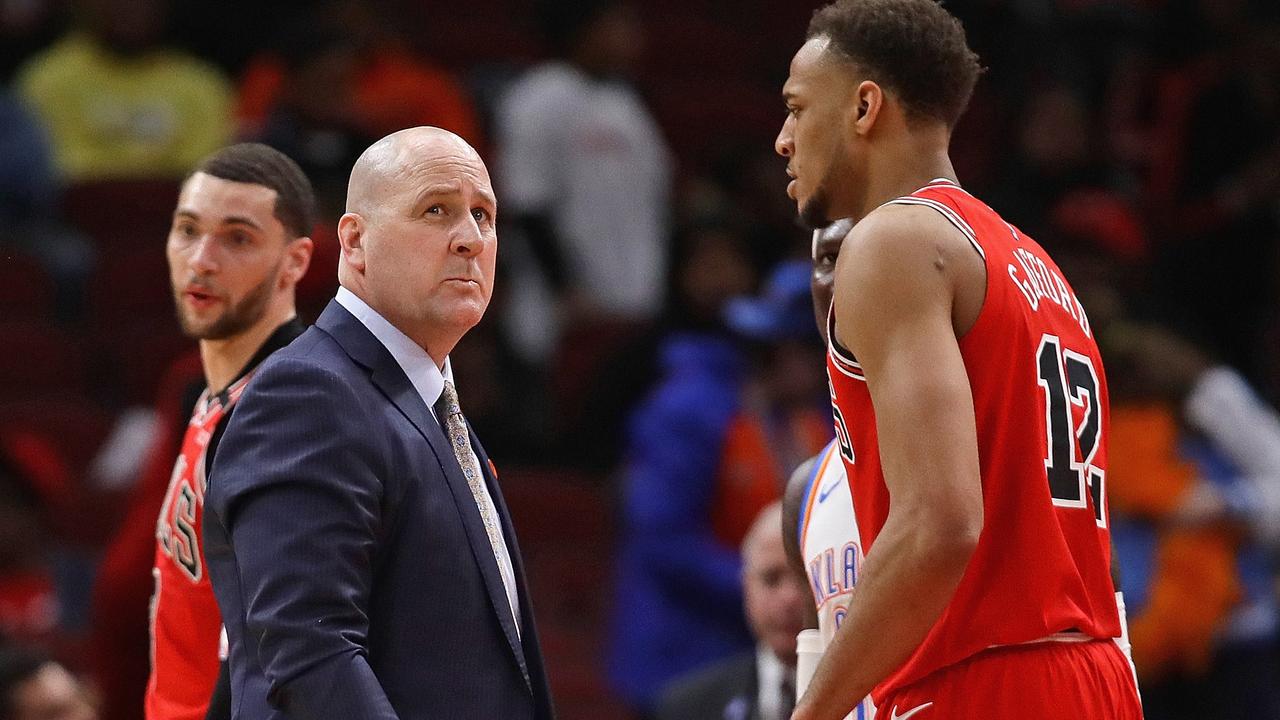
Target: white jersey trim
(947, 213)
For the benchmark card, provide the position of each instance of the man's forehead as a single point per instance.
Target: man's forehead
(453, 174)
(811, 56)
(211, 193)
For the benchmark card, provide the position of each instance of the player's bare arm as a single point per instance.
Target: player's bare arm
(907, 285)
(792, 506)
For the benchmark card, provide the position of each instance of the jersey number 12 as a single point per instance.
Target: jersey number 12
(1069, 378)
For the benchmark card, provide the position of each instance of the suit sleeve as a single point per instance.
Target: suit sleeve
(297, 488)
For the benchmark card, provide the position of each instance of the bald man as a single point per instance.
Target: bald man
(759, 685)
(356, 536)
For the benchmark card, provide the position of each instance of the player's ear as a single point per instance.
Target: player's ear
(868, 98)
(298, 258)
(351, 240)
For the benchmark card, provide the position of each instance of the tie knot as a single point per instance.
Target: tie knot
(447, 405)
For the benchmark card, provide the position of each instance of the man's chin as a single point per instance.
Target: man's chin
(814, 215)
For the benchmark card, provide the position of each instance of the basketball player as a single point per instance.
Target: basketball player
(970, 390)
(238, 247)
(819, 530)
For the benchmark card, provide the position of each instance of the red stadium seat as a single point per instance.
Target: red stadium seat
(693, 114)
(74, 428)
(136, 355)
(692, 46)
(130, 285)
(26, 290)
(72, 424)
(38, 359)
(118, 213)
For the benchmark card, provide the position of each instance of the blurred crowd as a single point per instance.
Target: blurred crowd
(651, 350)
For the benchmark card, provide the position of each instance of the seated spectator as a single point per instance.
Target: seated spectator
(708, 449)
(760, 684)
(391, 88)
(334, 84)
(117, 103)
(1052, 156)
(33, 687)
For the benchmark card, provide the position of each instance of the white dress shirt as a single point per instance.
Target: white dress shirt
(428, 379)
(770, 673)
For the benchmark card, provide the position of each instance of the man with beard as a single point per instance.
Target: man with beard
(237, 248)
(969, 394)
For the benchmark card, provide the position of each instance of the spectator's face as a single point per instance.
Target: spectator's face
(51, 694)
(817, 95)
(427, 247)
(826, 249)
(229, 258)
(615, 40)
(774, 594)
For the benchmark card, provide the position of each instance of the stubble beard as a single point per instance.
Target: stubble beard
(815, 214)
(236, 319)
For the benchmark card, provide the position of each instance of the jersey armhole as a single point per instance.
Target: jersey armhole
(845, 362)
(953, 217)
(819, 465)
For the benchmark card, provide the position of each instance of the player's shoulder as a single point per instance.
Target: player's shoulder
(898, 230)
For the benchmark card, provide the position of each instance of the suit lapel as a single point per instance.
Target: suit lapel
(387, 374)
(528, 634)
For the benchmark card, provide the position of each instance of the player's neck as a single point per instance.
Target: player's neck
(224, 359)
(905, 170)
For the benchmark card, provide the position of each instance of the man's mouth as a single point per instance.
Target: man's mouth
(199, 298)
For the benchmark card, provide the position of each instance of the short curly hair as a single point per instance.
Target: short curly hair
(260, 164)
(914, 48)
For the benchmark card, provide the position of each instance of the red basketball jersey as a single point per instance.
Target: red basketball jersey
(186, 626)
(1042, 564)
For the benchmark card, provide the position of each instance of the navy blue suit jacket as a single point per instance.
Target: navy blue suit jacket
(347, 552)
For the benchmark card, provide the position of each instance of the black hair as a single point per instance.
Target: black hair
(264, 165)
(914, 48)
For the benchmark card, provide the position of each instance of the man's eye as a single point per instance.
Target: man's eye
(435, 210)
(480, 214)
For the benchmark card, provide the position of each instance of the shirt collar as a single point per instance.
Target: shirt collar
(769, 674)
(422, 371)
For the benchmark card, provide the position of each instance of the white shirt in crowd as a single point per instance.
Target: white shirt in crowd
(587, 153)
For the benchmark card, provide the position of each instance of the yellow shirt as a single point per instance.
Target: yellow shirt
(155, 115)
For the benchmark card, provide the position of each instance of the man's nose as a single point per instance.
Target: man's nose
(203, 258)
(468, 239)
(783, 143)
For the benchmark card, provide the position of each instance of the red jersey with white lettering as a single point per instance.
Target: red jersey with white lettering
(186, 625)
(1042, 563)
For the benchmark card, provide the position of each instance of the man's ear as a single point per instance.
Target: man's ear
(351, 240)
(298, 259)
(867, 101)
